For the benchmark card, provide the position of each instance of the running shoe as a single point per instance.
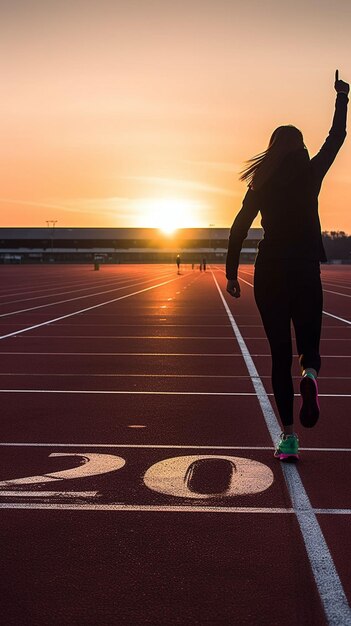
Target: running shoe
(309, 411)
(287, 448)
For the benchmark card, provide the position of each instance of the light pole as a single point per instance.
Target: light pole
(51, 223)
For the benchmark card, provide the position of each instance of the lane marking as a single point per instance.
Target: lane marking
(142, 507)
(48, 494)
(329, 585)
(160, 393)
(249, 338)
(165, 354)
(62, 293)
(332, 511)
(132, 445)
(90, 308)
(90, 295)
(153, 446)
(137, 337)
(328, 282)
(115, 375)
(341, 319)
(163, 337)
(132, 392)
(89, 276)
(86, 506)
(200, 354)
(147, 325)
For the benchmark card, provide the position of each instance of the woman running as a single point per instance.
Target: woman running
(284, 184)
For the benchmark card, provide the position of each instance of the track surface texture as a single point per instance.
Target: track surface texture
(137, 478)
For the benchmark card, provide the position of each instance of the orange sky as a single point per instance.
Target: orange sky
(115, 113)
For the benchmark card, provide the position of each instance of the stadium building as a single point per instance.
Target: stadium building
(120, 245)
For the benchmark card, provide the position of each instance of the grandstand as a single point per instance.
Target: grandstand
(120, 245)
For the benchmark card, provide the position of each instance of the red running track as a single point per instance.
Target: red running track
(138, 484)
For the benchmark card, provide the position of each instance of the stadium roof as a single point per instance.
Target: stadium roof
(120, 233)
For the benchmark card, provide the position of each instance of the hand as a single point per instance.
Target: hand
(340, 85)
(233, 288)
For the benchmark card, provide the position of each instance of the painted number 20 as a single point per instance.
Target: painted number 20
(191, 476)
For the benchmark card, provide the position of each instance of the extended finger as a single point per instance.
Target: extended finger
(336, 75)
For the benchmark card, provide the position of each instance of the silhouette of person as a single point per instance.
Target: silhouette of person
(204, 264)
(178, 262)
(284, 184)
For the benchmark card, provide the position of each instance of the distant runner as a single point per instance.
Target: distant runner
(284, 184)
(178, 263)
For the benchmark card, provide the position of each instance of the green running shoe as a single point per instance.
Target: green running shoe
(287, 448)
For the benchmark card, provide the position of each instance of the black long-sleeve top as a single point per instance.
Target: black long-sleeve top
(288, 203)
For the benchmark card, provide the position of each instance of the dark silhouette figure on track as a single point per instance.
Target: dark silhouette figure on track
(284, 185)
(178, 263)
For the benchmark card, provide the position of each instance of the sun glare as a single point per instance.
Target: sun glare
(169, 214)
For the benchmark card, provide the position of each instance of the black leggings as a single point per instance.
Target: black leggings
(284, 294)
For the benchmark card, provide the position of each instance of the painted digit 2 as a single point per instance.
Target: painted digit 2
(92, 465)
(185, 476)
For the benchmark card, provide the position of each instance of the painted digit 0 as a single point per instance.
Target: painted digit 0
(177, 477)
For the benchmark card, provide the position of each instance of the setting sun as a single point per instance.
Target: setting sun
(169, 214)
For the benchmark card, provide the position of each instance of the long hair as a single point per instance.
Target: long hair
(260, 168)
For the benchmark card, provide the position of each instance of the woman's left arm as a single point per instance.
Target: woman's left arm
(238, 233)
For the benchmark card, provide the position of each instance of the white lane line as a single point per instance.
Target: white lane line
(85, 506)
(77, 282)
(246, 338)
(137, 337)
(199, 354)
(340, 286)
(324, 282)
(48, 494)
(327, 449)
(329, 585)
(26, 444)
(142, 507)
(245, 281)
(130, 445)
(132, 392)
(90, 308)
(333, 512)
(98, 375)
(260, 326)
(62, 293)
(159, 376)
(159, 393)
(144, 325)
(341, 319)
(143, 354)
(90, 295)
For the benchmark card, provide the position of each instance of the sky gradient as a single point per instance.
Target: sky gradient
(122, 113)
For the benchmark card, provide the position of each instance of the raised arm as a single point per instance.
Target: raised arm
(238, 233)
(325, 157)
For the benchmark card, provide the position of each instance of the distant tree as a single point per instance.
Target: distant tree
(337, 244)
